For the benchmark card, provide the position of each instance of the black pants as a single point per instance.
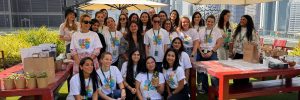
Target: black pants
(240, 81)
(68, 48)
(182, 95)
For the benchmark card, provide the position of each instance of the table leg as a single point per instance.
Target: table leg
(223, 88)
(193, 87)
(288, 82)
(48, 96)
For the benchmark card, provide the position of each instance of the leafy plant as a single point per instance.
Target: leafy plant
(12, 76)
(29, 75)
(42, 75)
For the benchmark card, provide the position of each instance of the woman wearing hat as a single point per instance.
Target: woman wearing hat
(68, 27)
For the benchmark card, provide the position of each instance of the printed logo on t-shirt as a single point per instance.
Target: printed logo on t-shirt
(84, 43)
(157, 40)
(170, 79)
(109, 85)
(115, 41)
(148, 85)
(89, 91)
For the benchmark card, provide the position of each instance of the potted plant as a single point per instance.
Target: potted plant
(31, 80)
(20, 81)
(42, 80)
(9, 82)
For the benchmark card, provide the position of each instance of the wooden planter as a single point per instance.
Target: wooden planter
(20, 83)
(42, 82)
(31, 83)
(9, 84)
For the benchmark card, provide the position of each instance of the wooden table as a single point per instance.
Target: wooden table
(45, 93)
(224, 73)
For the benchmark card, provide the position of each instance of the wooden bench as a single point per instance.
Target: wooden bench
(260, 88)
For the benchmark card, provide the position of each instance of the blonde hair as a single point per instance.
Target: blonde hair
(179, 28)
(74, 26)
(83, 16)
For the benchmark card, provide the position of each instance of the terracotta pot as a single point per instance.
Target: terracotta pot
(31, 83)
(9, 84)
(20, 83)
(42, 82)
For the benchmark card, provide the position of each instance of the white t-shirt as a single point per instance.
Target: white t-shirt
(189, 37)
(185, 61)
(212, 38)
(173, 77)
(197, 28)
(146, 84)
(102, 29)
(112, 78)
(124, 69)
(110, 37)
(66, 32)
(157, 43)
(172, 36)
(75, 87)
(85, 42)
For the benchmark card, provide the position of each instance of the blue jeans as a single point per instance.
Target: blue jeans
(202, 77)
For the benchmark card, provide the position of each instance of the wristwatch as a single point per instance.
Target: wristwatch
(192, 55)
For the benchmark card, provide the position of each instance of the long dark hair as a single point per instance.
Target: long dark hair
(177, 18)
(140, 40)
(130, 78)
(144, 68)
(134, 14)
(221, 19)
(94, 21)
(119, 23)
(176, 62)
(149, 24)
(181, 49)
(163, 12)
(201, 23)
(102, 10)
(163, 25)
(249, 26)
(93, 76)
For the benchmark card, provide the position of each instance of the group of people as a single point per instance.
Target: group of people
(147, 57)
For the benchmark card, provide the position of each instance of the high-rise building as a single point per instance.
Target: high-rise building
(31, 13)
(294, 18)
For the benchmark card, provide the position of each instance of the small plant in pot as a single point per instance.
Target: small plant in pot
(31, 80)
(20, 81)
(42, 80)
(9, 82)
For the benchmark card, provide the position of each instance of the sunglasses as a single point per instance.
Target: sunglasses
(122, 18)
(155, 21)
(86, 22)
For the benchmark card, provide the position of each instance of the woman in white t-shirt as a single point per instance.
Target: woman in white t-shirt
(68, 27)
(167, 25)
(197, 21)
(189, 36)
(123, 24)
(210, 41)
(100, 16)
(85, 43)
(174, 75)
(129, 71)
(150, 82)
(156, 41)
(84, 85)
(145, 23)
(110, 76)
(184, 60)
(112, 40)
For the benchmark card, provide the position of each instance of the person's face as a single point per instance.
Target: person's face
(134, 18)
(95, 27)
(227, 17)
(85, 24)
(87, 67)
(162, 17)
(110, 23)
(168, 25)
(71, 16)
(133, 28)
(123, 19)
(100, 17)
(171, 57)
(144, 18)
(176, 44)
(106, 60)
(197, 18)
(150, 63)
(243, 21)
(210, 22)
(105, 13)
(156, 22)
(173, 15)
(136, 56)
(151, 12)
(185, 24)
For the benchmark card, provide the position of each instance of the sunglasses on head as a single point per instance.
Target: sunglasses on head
(155, 21)
(86, 22)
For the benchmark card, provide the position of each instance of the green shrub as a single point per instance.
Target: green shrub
(12, 43)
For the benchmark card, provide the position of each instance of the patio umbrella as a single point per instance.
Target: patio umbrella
(121, 4)
(231, 2)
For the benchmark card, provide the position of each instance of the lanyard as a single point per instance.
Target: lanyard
(113, 39)
(148, 81)
(206, 37)
(106, 79)
(156, 37)
(86, 87)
